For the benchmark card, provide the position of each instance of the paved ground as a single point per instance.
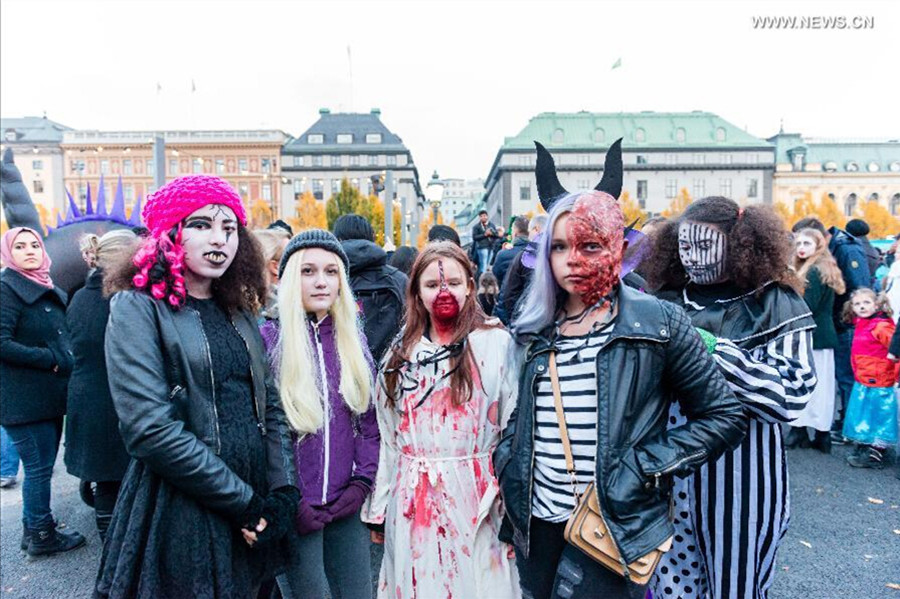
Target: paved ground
(844, 541)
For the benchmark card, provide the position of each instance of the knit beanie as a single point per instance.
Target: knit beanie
(857, 227)
(174, 201)
(313, 238)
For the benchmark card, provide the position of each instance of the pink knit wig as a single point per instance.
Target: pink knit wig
(160, 260)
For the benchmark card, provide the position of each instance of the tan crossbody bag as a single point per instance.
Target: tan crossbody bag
(586, 528)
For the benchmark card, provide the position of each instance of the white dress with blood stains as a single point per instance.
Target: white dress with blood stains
(436, 491)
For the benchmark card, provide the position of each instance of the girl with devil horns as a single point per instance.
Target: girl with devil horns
(444, 394)
(210, 488)
(599, 364)
(728, 267)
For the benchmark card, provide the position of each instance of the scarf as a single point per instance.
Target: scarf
(40, 275)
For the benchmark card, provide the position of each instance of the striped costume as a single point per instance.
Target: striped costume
(730, 517)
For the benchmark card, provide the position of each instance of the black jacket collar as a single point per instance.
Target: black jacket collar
(28, 290)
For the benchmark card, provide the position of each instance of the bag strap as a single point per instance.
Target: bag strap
(561, 418)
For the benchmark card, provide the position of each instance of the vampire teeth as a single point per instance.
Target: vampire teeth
(216, 257)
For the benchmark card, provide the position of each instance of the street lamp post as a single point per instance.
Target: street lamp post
(434, 193)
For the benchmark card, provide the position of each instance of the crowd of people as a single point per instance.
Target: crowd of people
(250, 410)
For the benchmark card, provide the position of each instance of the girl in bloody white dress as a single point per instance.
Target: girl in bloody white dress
(444, 395)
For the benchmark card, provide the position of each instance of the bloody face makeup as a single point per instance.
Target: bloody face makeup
(702, 249)
(210, 241)
(587, 246)
(443, 289)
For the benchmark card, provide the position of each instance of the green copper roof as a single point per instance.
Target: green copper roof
(840, 152)
(587, 130)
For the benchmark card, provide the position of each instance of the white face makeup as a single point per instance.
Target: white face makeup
(702, 249)
(210, 241)
(805, 246)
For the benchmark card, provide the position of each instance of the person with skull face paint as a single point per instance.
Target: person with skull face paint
(444, 393)
(728, 267)
(620, 357)
(210, 489)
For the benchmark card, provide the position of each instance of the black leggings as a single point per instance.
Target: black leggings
(556, 570)
(105, 496)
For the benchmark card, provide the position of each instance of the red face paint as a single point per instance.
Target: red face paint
(445, 308)
(595, 232)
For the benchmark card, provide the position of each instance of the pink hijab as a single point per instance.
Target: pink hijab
(40, 275)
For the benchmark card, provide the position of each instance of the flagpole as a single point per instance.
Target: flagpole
(350, 69)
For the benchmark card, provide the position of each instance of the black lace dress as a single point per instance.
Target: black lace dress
(162, 543)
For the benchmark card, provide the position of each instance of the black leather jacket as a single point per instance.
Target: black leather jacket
(653, 356)
(160, 377)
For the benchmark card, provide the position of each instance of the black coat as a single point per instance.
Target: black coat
(94, 448)
(505, 257)
(33, 340)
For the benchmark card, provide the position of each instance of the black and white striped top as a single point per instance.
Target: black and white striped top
(552, 498)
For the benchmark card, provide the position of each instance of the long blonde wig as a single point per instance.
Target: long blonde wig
(302, 393)
(821, 259)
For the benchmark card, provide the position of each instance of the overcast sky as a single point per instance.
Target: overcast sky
(452, 79)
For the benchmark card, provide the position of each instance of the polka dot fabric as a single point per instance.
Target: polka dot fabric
(177, 199)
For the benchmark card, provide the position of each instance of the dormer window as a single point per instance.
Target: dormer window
(345, 138)
(558, 137)
(852, 167)
(830, 166)
(373, 138)
(894, 167)
(720, 134)
(315, 138)
(680, 135)
(10, 135)
(872, 167)
(640, 135)
(599, 136)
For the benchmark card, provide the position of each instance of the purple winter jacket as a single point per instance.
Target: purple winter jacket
(350, 442)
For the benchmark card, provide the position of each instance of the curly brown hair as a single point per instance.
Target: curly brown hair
(416, 320)
(242, 287)
(759, 246)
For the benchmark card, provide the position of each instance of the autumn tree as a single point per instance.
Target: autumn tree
(426, 225)
(260, 214)
(679, 204)
(343, 202)
(309, 213)
(880, 220)
(631, 210)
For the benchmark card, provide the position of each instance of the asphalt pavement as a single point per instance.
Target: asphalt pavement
(844, 540)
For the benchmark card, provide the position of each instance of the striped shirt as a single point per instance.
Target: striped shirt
(552, 498)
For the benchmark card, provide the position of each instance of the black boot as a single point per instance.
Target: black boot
(797, 438)
(26, 533)
(868, 457)
(822, 441)
(49, 540)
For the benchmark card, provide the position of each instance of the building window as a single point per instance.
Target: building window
(641, 159)
(77, 166)
(671, 188)
(525, 191)
(584, 159)
(699, 159)
(317, 161)
(642, 189)
(335, 186)
(173, 166)
(584, 184)
(151, 168)
(373, 138)
(558, 137)
(354, 160)
(872, 167)
(680, 135)
(266, 165)
(599, 136)
(895, 204)
(38, 186)
(391, 160)
(315, 138)
(104, 167)
(298, 187)
(126, 167)
(850, 205)
(797, 160)
(373, 160)
(725, 187)
(720, 134)
(345, 138)
(753, 158)
(670, 159)
(830, 166)
(198, 166)
(37, 165)
(699, 188)
(244, 190)
(267, 192)
(354, 182)
(220, 166)
(752, 188)
(82, 193)
(524, 160)
(726, 158)
(640, 135)
(298, 160)
(242, 165)
(128, 192)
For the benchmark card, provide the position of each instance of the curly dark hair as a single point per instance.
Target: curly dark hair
(242, 287)
(759, 246)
